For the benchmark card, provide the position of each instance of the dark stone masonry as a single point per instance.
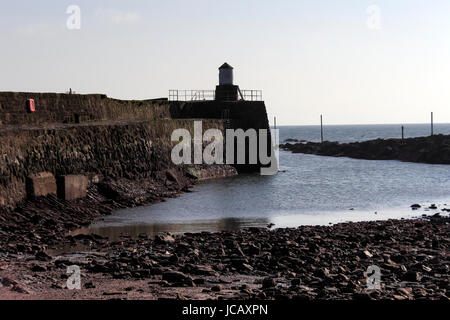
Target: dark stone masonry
(116, 139)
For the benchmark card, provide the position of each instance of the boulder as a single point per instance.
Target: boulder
(268, 283)
(164, 239)
(178, 278)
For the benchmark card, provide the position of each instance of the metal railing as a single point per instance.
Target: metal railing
(251, 95)
(191, 95)
(208, 95)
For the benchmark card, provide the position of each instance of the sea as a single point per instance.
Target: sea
(308, 190)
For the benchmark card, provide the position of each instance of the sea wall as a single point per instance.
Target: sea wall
(130, 150)
(74, 108)
(96, 136)
(243, 115)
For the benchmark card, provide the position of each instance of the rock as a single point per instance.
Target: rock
(38, 268)
(203, 270)
(412, 276)
(238, 249)
(404, 291)
(216, 288)
(199, 281)
(420, 293)
(268, 283)
(435, 244)
(295, 282)
(362, 296)
(164, 239)
(367, 254)
(426, 269)
(246, 267)
(56, 286)
(181, 297)
(8, 282)
(416, 206)
(175, 277)
(172, 176)
(323, 273)
(113, 293)
(253, 250)
(20, 289)
(189, 282)
(42, 256)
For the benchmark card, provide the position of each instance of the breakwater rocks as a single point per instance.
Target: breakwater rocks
(433, 149)
(306, 263)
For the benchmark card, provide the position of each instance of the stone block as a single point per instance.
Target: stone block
(72, 187)
(41, 184)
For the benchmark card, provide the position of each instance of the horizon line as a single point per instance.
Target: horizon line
(360, 124)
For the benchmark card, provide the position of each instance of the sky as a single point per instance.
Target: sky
(354, 61)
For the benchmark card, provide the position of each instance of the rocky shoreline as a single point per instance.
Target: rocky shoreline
(433, 149)
(38, 224)
(305, 263)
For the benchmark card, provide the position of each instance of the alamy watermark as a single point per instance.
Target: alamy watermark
(74, 280)
(241, 147)
(373, 275)
(373, 17)
(74, 20)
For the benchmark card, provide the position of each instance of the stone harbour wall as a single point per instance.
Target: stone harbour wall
(75, 108)
(135, 150)
(100, 137)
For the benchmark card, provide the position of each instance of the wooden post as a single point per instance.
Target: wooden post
(403, 133)
(432, 125)
(275, 122)
(321, 128)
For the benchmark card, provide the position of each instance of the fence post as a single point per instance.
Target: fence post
(321, 128)
(432, 124)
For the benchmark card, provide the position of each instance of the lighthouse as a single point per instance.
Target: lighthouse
(225, 75)
(226, 90)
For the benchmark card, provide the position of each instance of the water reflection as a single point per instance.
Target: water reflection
(115, 232)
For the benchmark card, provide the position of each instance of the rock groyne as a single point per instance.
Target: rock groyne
(434, 149)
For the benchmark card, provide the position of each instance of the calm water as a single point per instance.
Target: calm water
(310, 190)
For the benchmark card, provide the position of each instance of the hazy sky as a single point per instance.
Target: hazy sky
(308, 57)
